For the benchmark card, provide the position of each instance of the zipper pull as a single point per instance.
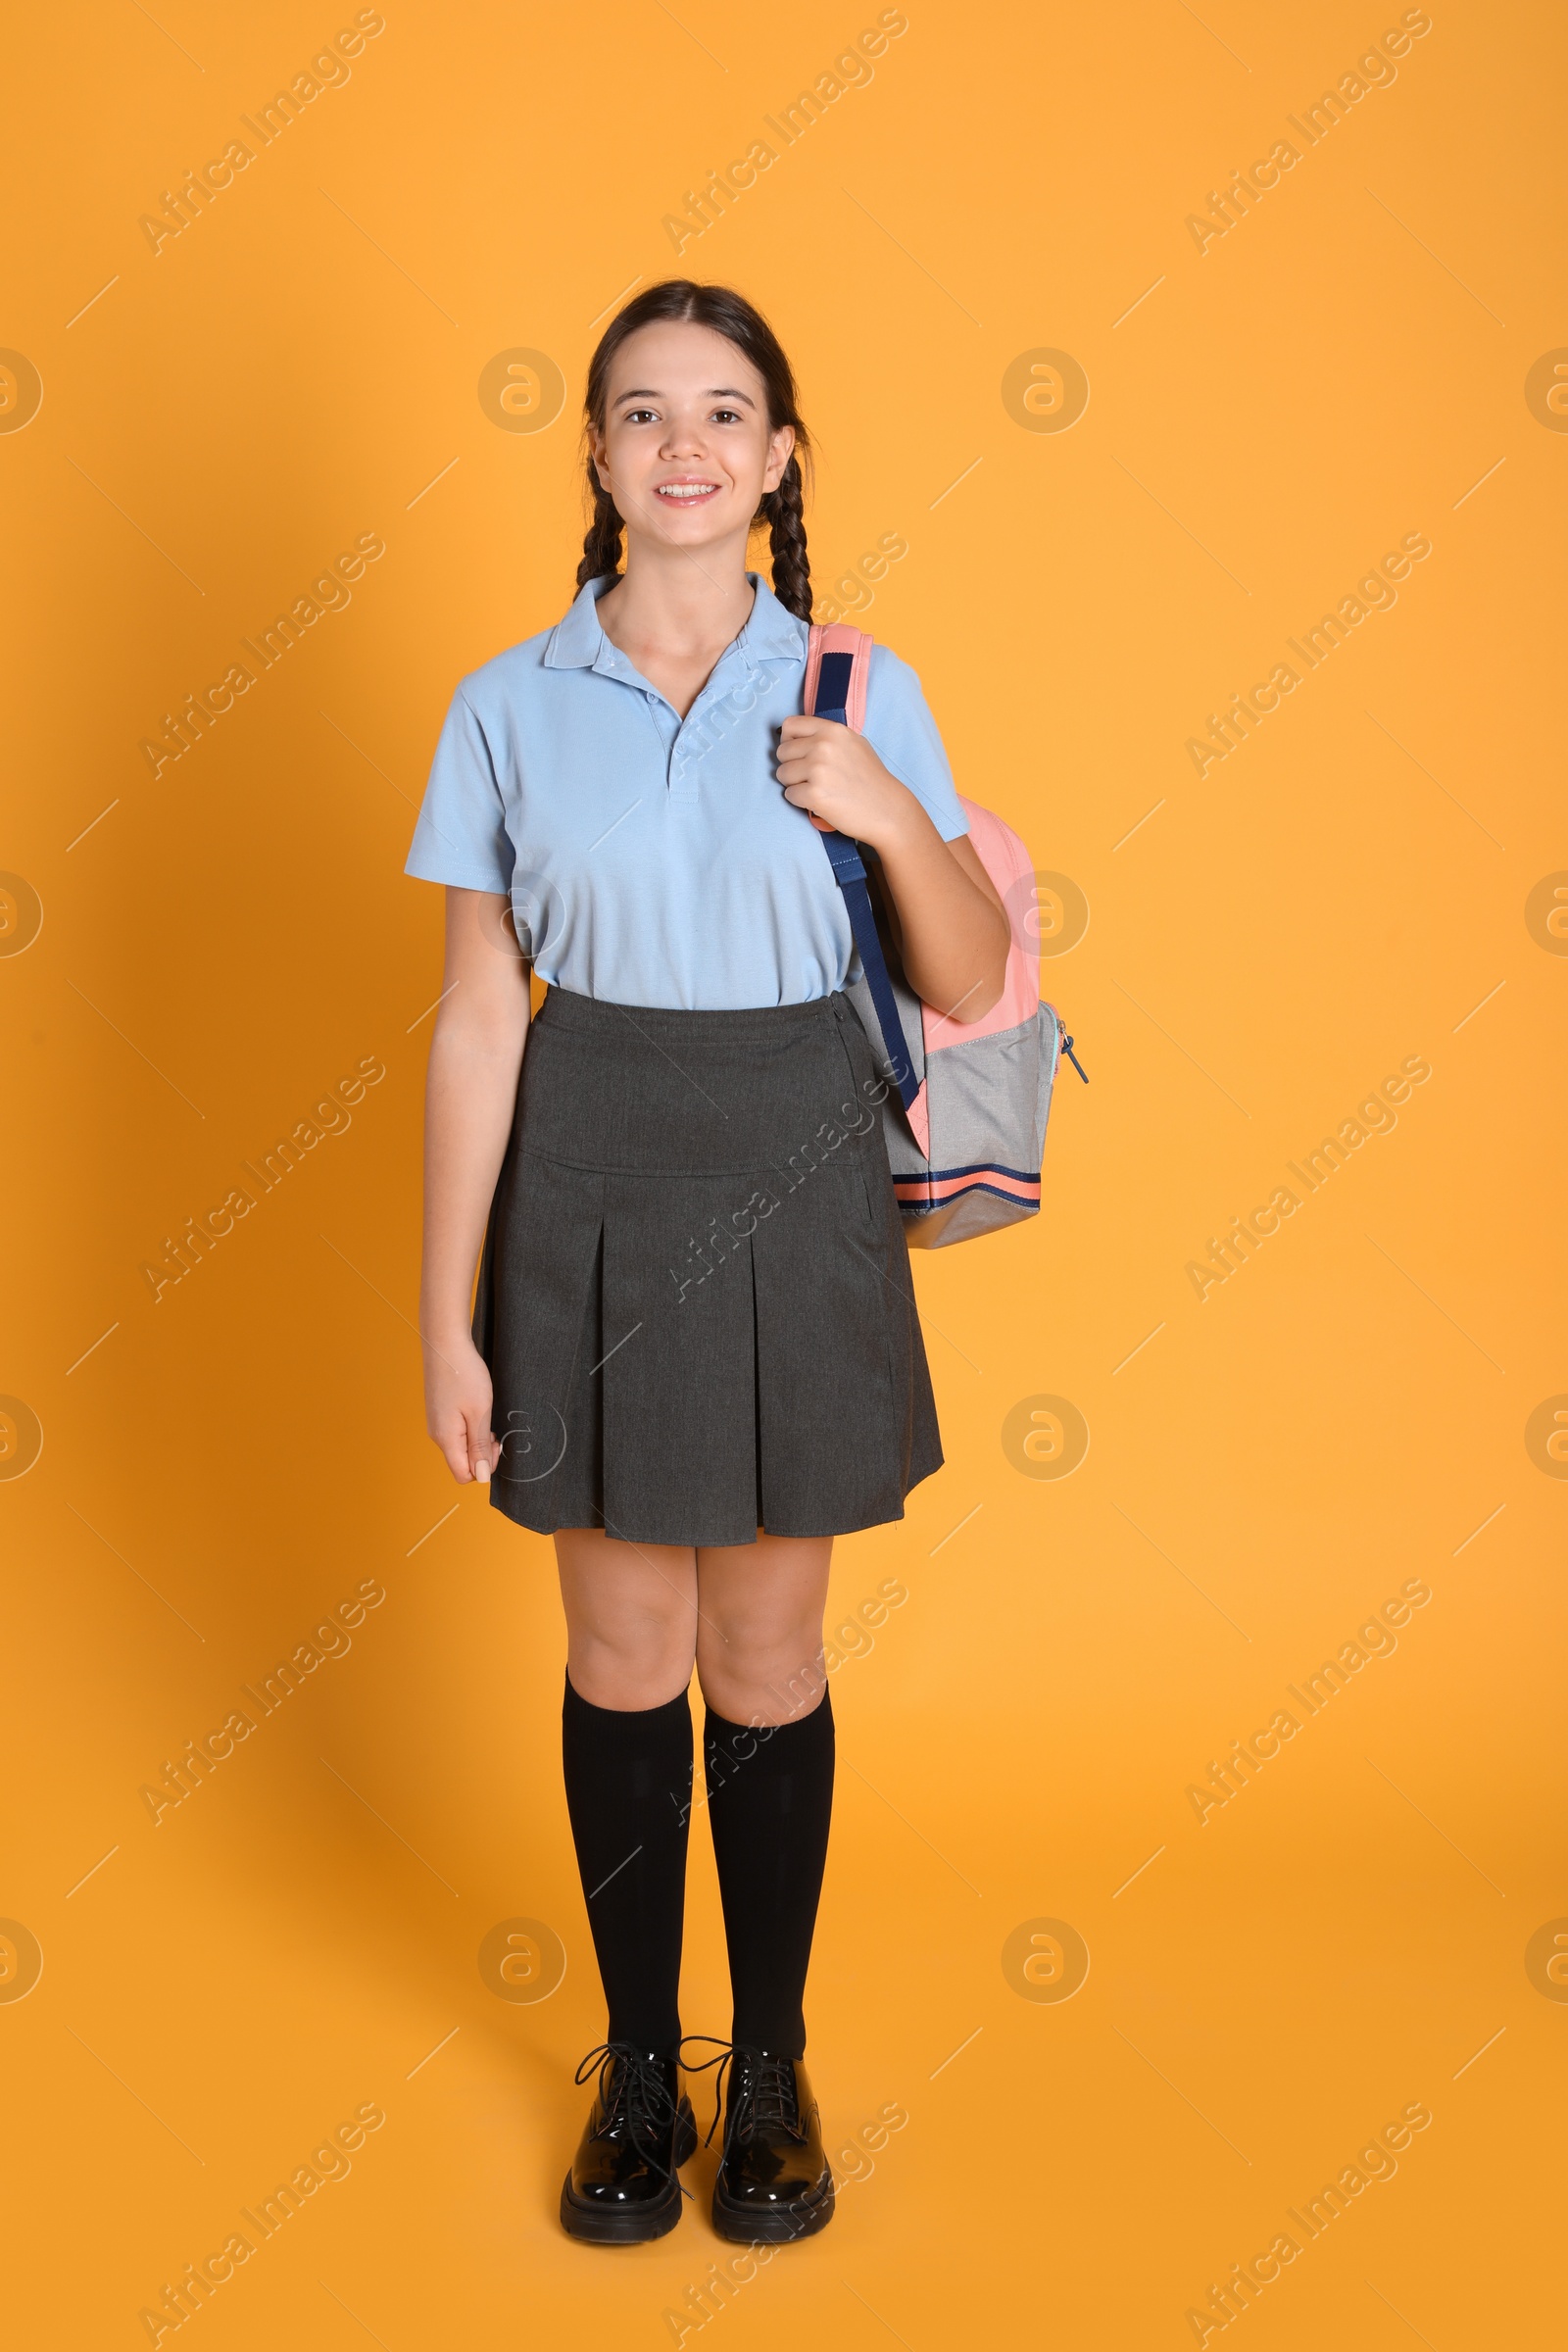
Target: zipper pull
(1066, 1047)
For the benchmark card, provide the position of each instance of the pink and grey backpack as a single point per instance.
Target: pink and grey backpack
(966, 1121)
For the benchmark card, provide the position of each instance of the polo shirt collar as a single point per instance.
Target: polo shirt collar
(771, 634)
(578, 642)
(578, 639)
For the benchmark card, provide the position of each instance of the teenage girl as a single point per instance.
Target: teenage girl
(695, 1356)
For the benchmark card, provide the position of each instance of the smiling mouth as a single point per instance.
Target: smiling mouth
(686, 493)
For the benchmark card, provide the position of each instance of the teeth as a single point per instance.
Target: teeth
(686, 489)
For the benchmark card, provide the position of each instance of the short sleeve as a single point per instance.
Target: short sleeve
(900, 730)
(462, 835)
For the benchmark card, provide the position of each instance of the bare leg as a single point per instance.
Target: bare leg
(631, 1617)
(759, 1627)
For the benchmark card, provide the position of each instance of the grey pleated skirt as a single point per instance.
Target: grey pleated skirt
(695, 1297)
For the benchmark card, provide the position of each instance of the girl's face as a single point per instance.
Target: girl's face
(687, 450)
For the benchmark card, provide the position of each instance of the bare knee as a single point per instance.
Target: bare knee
(632, 1674)
(631, 1614)
(760, 1632)
(780, 1683)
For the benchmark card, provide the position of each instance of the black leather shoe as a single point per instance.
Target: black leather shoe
(625, 2183)
(774, 2180)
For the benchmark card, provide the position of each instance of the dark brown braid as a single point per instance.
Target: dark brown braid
(601, 549)
(784, 512)
(783, 509)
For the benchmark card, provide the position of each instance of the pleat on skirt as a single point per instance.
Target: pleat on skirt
(694, 1297)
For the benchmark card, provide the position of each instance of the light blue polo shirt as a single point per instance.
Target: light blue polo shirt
(652, 859)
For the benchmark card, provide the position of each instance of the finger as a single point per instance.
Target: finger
(455, 1453)
(820, 750)
(482, 1447)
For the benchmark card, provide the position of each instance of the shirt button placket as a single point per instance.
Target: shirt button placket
(682, 764)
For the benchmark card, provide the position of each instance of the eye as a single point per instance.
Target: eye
(728, 417)
(637, 416)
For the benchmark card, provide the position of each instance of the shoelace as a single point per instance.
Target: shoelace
(769, 2093)
(634, 2094)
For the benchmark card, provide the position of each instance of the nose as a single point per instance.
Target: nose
(682, 438)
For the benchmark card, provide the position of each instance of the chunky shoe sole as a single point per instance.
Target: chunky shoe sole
(603, 2224)
(753, 2224)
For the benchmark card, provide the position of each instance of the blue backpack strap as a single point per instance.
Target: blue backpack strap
(831, 700)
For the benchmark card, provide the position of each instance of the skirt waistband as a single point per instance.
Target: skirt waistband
(597, 1016)
(645, 1090)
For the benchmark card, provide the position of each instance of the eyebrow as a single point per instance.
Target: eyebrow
(714, 392)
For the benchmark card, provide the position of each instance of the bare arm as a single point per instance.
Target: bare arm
(470, 1091)
(953, 932)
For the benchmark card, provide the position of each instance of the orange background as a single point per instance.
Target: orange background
(1267, 417)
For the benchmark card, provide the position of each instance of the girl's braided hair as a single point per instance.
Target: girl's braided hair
(783, 509)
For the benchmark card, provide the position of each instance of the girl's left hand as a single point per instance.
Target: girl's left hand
(831, 772)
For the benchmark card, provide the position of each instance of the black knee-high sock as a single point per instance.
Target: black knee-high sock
(771, 1797)
(629, 1791)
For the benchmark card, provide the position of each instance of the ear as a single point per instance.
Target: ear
(596, 452)
(780, 450)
